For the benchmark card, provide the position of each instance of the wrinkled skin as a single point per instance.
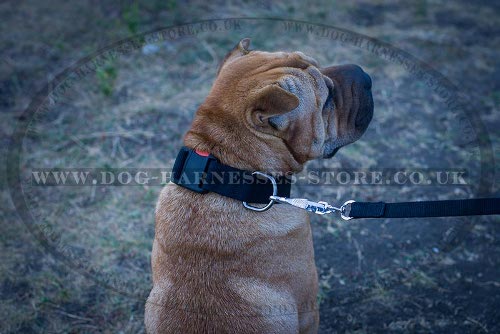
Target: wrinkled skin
(217, 267)
(280, 110)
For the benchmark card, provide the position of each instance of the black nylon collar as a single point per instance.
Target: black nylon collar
(203, 174)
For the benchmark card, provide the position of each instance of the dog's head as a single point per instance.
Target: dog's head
(277, 110)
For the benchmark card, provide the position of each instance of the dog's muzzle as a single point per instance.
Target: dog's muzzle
(352, 106)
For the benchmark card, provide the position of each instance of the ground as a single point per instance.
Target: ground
(396, 275)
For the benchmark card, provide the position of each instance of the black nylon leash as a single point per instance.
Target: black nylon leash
(202, 173)
(447, 208)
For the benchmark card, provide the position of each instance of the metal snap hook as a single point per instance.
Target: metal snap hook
(275, 192)
(343, 210)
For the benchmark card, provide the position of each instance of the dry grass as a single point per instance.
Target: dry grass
(375, 275)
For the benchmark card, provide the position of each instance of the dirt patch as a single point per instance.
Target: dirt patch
(399, 275)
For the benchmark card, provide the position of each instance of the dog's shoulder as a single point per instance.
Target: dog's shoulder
(183, 215)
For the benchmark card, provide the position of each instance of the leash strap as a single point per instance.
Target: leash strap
(448, 208)
(202, 172)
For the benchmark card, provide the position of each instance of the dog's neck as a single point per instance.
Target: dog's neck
(236, 147)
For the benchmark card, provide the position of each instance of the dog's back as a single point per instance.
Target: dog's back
(219, 268)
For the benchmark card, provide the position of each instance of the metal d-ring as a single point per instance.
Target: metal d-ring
(343, 210)
(271, 202)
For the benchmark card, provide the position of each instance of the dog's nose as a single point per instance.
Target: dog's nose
(353, 93)
(365, 111)
(358, 76)
(367, 81)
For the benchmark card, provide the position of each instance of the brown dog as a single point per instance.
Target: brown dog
(218, 267)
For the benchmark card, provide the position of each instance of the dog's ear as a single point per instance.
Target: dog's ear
(239, 50)
(269, 103)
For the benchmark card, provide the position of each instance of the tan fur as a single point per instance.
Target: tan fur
(217, 267)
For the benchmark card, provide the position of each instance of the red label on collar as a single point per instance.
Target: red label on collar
(203, 154)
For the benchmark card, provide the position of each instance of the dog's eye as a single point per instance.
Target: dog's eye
(277, 122)
(272, 123)
(328, 106)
